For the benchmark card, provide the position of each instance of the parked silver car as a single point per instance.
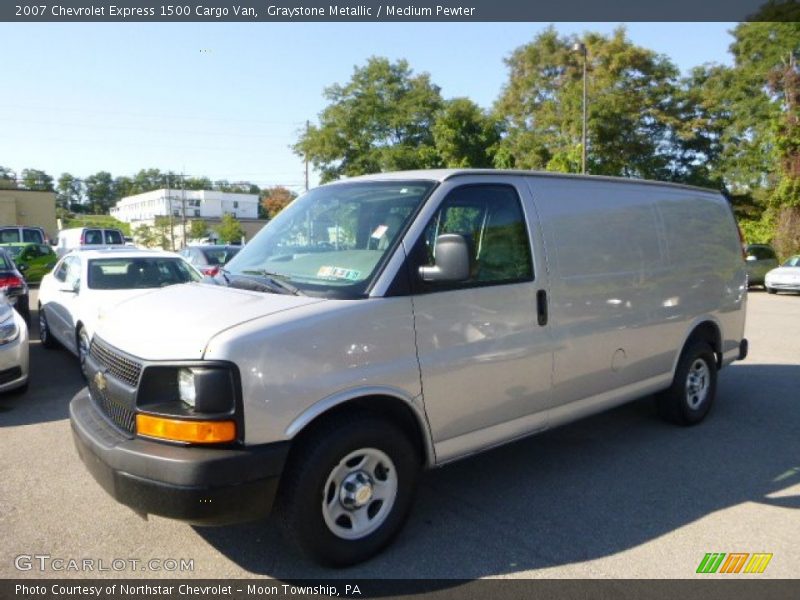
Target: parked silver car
(761, 258)
(387, 323)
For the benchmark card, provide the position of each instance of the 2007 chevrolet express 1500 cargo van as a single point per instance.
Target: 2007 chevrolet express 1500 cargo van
(392, 322)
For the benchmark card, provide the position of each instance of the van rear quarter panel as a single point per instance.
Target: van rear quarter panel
(634, 267)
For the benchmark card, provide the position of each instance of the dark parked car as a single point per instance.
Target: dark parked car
(761, 258)
(209, 259)
(13, 284)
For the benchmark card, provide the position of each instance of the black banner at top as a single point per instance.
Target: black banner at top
(119, 11)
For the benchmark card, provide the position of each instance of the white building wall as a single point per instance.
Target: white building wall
(210, 204)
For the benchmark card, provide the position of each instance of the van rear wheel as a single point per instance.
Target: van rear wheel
(348, 488)
(689, 398)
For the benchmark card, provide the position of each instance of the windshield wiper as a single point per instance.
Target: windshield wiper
(276, 280)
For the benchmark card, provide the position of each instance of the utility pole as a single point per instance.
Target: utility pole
(580, 48)
(171, 222)
(308, 126)
(183, 207)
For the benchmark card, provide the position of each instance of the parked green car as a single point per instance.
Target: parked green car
(34, 261)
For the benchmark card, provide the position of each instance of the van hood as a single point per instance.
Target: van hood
(177, 322)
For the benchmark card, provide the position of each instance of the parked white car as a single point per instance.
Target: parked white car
(83, 285)
(13, 348)
(785, 278)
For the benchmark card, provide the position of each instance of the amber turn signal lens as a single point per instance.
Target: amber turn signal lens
(179, 430)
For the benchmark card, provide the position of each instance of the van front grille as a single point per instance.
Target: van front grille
(122, 368)
(121, 416)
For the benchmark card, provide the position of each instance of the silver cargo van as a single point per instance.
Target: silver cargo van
(389, 323)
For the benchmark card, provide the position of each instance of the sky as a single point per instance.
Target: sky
(227, 100)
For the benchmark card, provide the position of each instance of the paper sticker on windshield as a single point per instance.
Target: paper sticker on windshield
(339, 273)
(380, 231)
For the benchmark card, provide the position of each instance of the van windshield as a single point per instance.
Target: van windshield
(332, 241)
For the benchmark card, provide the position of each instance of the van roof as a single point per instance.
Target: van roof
(445, 174)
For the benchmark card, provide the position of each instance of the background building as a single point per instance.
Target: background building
(24, 207)
(185, 206)
(196, 204)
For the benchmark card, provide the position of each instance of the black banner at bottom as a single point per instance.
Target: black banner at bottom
(441, 589)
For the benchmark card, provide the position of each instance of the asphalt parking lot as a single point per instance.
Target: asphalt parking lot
(621, 494)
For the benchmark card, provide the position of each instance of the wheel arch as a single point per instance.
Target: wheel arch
(392, 404)
(705, 329)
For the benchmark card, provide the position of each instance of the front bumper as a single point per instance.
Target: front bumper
(784, 286)
(204, 486)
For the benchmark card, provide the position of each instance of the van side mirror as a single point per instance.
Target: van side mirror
(452, 260)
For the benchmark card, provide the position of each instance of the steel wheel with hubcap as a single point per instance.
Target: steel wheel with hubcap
(359, 493)
(347, 488)
(689, 398)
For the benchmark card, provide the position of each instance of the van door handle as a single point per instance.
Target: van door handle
(541, 307)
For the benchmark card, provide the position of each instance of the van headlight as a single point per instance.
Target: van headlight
(9, 330)
(186, 388)
(195, 390)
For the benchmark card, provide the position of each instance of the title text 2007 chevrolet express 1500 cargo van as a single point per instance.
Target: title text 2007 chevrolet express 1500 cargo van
(388, 323)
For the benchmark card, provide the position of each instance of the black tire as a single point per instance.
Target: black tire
(682, 403)
(80, 332)
(302, 497)
(24, 309)
(45, 335)
(771, 290)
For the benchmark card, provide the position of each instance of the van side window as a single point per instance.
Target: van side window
(93, 236)
(490, 219)
(9, 236)
(113, 237)
(32, 236)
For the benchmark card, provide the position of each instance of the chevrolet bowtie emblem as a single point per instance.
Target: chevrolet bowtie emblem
(100, 380)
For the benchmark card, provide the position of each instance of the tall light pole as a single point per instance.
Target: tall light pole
(580, 48)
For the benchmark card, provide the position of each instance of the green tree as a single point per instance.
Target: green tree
(164, 232)
(756, 103)
(146, 236)
(198, 183)
(100, 192)
(34, 179)
(275, 199)
(147, 180)
(123, 187)
(632, 116)
(464, 135)
(8, 179)
(381, 120)
(69, 190)
(198, 229)
(229, 230)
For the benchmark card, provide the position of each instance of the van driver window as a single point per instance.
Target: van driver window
(490, 219)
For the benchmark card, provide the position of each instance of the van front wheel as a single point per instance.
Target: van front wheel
(689, 398)
(348, 489)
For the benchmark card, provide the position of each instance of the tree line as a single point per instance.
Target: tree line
(97, 193)
(734, 128)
